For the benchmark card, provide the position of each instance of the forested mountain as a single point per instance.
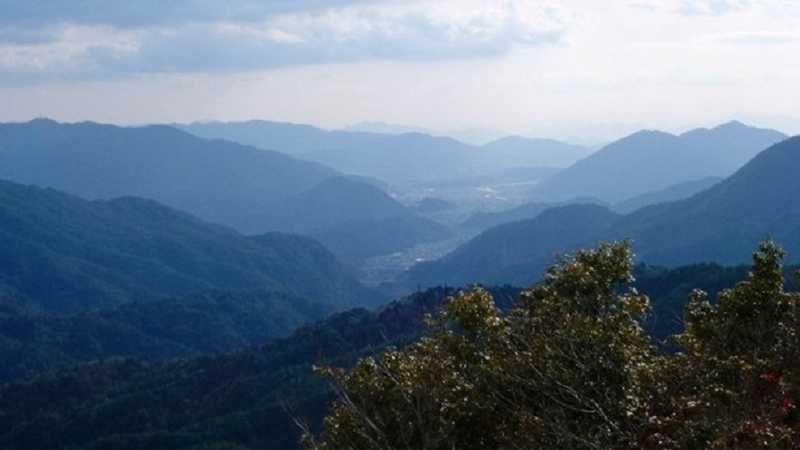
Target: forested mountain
(402, 159)
(251, 398)
(518, 151)
(219, 181)
(247, 397)
(429, 205)
(651, 160)
(721, 224)
(251, 190)
(673, 193)
(65, 254)
(484, 220)
(512, 252)
(200, 323)
(353, 219)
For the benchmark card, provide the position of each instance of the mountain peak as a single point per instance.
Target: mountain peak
(733, 124)
(43, 121)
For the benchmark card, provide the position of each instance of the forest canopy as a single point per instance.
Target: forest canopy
(571, 367)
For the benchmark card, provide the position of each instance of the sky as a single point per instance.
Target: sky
(583, 70)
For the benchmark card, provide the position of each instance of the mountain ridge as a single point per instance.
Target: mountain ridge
(721, 224)
(651, 160)
(67, 254)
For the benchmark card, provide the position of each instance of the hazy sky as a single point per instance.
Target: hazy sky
(552, 68)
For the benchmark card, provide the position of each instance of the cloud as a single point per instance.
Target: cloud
(713, 7)
(420, 31)
(757, 38)
(143, 13)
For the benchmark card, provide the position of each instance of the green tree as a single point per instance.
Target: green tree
(569, 367)
(559, 371)
(736, 382)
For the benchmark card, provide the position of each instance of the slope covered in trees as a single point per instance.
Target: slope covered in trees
(570, 367)
(64, 254)
(219, 181)
(250, 398)
(354, 220)
(201, 323)
(673, 193)
(242, 397)
(485, 220)
(720, 224)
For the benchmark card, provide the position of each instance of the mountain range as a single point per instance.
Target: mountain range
(406, 159)
(673, 193)
(251, 190)
(64, 254)
(649, 161)
(722, 224)
(485, 220)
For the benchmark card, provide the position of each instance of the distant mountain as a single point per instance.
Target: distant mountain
(354, 220)
(722, 224)
(385, 128)
(485, 220)
(504, 254)
(219, 181)
(322, 206)
(201, 323)
(516, 176)
(251, 190)
(648, 161)
(356, 240)
(673, 193)
(64, 254)
(402, 159)
(521, 151)
(429, 205)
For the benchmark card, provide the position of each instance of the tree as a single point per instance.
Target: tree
(569, 367)
(736, 383)
(558, 371)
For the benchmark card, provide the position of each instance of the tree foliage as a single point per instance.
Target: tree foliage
(570, 367)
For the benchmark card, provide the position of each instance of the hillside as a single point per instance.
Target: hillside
(241, 397)
(201, 323)
(651, 160)
(517, 151)
(406, 159)
(65, 254)
(504, 254)
(673, 193)
(218, 181)
(356, 240)
(721, 224)
(484, 220)
(251, 397)
(354, 220)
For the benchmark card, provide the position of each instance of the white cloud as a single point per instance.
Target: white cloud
(384, 31)
(449, 64)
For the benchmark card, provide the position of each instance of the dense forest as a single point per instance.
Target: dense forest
(251, 398)
(570, 366)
